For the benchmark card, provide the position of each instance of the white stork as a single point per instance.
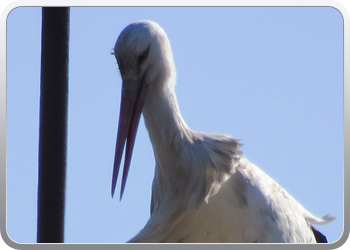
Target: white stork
(204, 189)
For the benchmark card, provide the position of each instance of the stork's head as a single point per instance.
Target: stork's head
(145, 61)
(143, 52)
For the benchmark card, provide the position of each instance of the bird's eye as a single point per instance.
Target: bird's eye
(143, 56)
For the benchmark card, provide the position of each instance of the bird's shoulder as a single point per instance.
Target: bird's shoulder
(259, 191)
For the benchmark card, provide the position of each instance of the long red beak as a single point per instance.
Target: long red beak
(133, 98)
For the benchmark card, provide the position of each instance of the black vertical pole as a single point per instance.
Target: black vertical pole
(53, 124)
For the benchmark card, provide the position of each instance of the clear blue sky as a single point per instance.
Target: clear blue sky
(270, 76)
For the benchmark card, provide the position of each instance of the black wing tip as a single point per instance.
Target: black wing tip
(320, 238)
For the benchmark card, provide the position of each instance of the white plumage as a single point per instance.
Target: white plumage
(204, 189)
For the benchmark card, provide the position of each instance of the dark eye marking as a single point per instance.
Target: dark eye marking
(143, 56)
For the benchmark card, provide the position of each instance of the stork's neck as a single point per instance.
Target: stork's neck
(166, 127)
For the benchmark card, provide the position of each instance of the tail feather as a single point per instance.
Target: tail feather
(320, 221)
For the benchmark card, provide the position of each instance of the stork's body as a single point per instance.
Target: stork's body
(204, 190)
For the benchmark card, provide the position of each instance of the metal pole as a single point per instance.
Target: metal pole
(53, 124)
